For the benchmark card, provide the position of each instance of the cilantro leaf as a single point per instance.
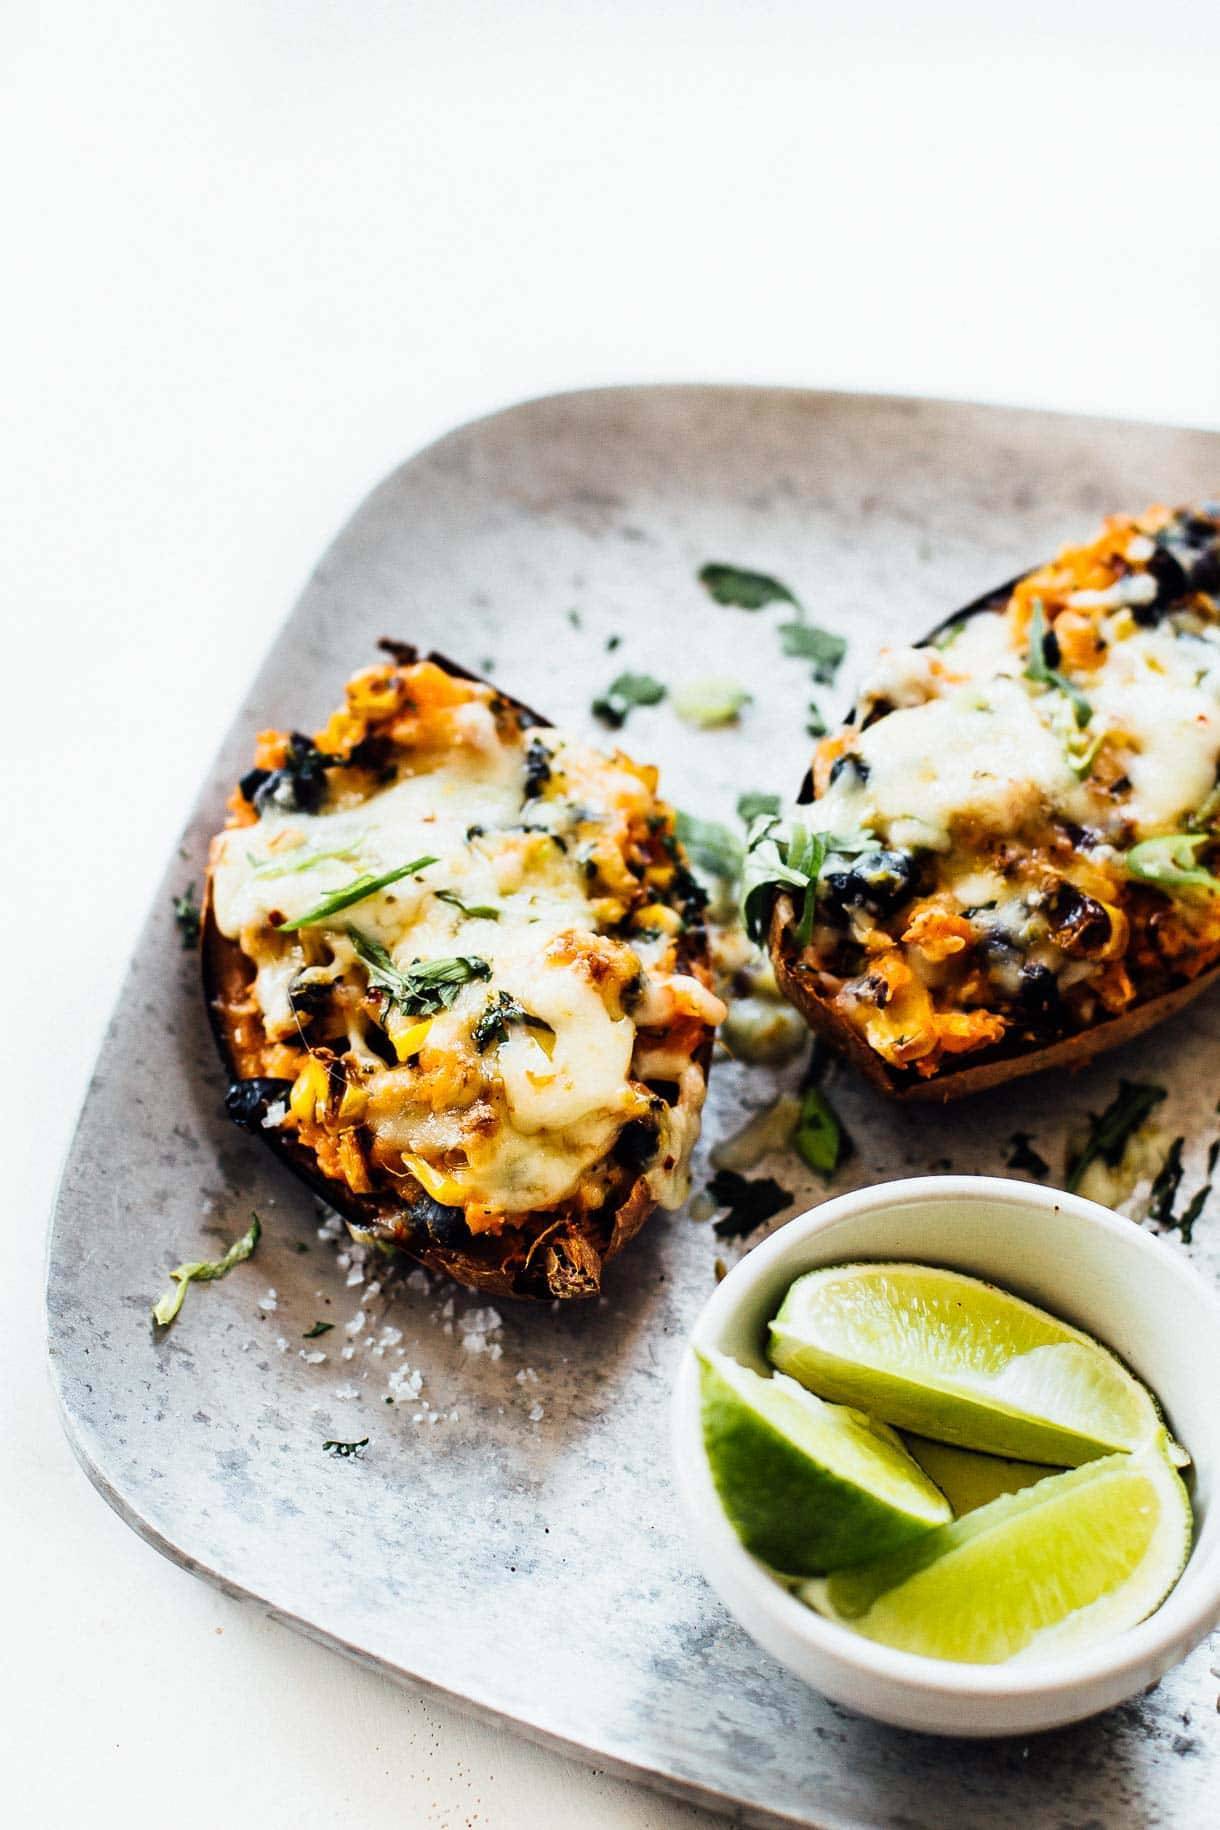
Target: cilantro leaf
(187, 915)
(751, 804)
(427, 986)
(820, 646)
(712, 847)
(819, 1139)
(331, 1447)
(474, 911)
(750, 1202)
(1042, 665)
(743, 589)
(1110, 1130)
(311, 1334)
(624, 692)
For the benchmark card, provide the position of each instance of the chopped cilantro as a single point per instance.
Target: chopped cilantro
(815, 724)
(807, 642)
(1022, 1155)
(711, 846)
(774, 860)
(750, 1201)
(311, 1334)
(1186, 1225)
(1110, 1130)
(427, 986)
(204, 1270)
(187, 917)
(742, 589)
(1165, 1187)
(498, 1014)
(624, 692)
(331, 1447)
(751, 804)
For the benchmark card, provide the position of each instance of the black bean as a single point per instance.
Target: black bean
(247, 1101)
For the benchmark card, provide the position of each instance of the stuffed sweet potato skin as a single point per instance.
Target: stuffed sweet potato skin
(557, 1256)
(1145, 577)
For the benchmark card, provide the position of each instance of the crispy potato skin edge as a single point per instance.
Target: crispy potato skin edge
(954, 1083)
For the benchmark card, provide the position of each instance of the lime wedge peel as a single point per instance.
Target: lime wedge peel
(1054, 1569)
(950, 1357)
(808, 1486)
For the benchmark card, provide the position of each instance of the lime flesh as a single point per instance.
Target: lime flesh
(969, 1480)
(1062, 1565)
(953, 1358)
(808, 1486)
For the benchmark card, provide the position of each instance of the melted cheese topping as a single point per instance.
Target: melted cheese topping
(517, 1123)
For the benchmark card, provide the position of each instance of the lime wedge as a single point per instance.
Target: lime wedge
(958, 1360)
(1070, 1561)
(808, 1486)
(968, 1480)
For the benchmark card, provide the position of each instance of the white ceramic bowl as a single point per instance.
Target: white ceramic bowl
(1124, 1286)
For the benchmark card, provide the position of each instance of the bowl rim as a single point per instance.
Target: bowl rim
(1190, 1609)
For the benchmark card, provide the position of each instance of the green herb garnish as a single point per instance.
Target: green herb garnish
(311, 1334)
(355, 892)
(499, 1013)
(1171, 862)
(1186, 1225)
(331, 1447)
(750, 1201)
(1165, 1188)
(1110, 1130)
(815, 724)
(742, 589)
(1022, 1155)
(204, 1270)
(1041, 665)
(751, 804)
(187, 915)
(822, 647)
(774, 860)
(819, 1139)
(712, 847)
(425, 987)
(474, 911)
(624, 692)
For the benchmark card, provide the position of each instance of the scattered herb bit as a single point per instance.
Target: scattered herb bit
(778, 860)
(358, 891)
(819, 1139)
(1171, 862)
(1042, 665)
(204, 1270)
(500, 1011)
(1022, 1155)
(474, 911)
(749, 1201)
(624, 692)
(1110, 1130)
(344, 1448)
(1165, 1187)
(537, 769)
(424, 988)
(300, 1246)
(613, 642)
(574, 619)
(742, 589)
(821, 647)
(710, 703)
(711, 846)
(1212, 1153)
(815, 724)
(1186, 1225)
(311, 1334)
(187, 916)
(752, 804)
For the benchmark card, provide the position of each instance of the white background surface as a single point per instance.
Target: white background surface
(257, 253)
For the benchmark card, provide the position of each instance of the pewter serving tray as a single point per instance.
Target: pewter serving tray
(510, 1539)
